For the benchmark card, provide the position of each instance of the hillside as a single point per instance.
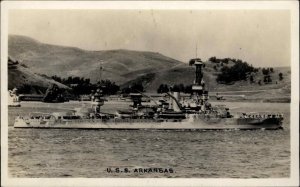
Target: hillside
(185, 74)
(19, 76)
(118, 65)
(126, 67)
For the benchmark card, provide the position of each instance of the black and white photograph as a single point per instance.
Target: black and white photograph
(203, 92)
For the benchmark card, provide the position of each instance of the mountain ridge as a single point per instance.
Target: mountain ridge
(122, 66)
(72, 61)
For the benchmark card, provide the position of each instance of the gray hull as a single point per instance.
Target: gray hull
(220, 124)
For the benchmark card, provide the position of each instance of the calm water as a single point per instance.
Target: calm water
(207, 154)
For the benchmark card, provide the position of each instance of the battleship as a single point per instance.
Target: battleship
(173, 113)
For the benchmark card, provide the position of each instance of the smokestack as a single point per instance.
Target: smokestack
(174, 104)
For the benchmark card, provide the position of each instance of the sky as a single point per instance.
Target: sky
(259, 37)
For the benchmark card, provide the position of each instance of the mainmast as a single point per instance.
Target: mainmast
(100, 71)
(199, 94)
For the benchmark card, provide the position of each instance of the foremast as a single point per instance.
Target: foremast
(97, 97)
(97, 101)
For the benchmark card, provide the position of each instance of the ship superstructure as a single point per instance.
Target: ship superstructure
(195, 113)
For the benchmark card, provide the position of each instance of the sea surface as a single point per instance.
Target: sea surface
(188, 154)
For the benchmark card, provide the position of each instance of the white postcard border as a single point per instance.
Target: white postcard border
(230, 5)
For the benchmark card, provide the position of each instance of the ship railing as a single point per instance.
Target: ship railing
(38, 117)
(261, 116)
(87, 120)
(129, 120)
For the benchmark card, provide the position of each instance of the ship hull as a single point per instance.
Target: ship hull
(227, 124)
